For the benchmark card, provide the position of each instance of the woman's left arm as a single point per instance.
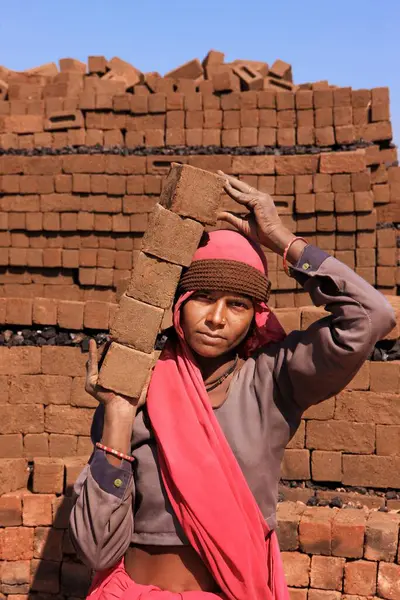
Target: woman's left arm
(317, 363)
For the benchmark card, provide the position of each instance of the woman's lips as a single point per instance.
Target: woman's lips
(210, 339)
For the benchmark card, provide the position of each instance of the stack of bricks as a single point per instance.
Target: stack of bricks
(330, 554)
(84, 151)
(175, 229)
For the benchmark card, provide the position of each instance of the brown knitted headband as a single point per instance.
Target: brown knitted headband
(226, 275)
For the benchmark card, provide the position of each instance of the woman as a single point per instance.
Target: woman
(194, 513)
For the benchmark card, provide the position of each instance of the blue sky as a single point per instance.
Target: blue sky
(349, 42)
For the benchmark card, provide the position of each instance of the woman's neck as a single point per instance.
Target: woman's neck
(212, 368)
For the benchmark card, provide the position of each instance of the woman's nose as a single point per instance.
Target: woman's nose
(217, 313)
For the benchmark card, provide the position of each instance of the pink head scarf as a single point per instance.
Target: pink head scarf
(202, 478)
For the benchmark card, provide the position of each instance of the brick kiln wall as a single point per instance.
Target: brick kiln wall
(82, 161)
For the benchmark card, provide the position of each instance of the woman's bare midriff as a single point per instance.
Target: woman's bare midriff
(174, 568)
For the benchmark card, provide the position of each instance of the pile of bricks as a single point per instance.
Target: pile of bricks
(348, 440)
(71, 226)
(176, 227)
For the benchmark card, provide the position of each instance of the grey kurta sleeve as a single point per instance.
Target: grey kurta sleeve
(317, 363)
(101, 521)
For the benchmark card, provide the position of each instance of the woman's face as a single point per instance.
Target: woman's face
(214, 323)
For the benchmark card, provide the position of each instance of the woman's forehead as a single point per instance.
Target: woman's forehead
(223, 294)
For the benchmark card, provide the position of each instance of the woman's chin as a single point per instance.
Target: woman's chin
(208, 351)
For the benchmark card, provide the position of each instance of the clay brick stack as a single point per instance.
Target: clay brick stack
(169, 244)
(84, 154)
(71, 223)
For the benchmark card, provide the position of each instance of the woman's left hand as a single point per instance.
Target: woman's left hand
(262, 224)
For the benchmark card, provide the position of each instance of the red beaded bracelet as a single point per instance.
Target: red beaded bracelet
(285, 265)
(114, 452)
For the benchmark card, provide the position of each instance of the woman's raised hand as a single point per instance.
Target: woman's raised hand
(262, 224)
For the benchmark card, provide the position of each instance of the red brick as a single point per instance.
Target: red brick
(45, 576)
(297, 568)
(381, 537)
(16, 543)
(68, 420)
(79, 397)
(389, 581)
(36, 444)
(327, 572)
(48, 475)
(360, 578)
(348, 530)
(316, 530)
(288, 516)
(48, 543)
(37, 510)
(296, 465)
(63, 361)
(10, 511)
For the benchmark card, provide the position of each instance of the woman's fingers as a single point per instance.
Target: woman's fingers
(240, 197)
(92, 371)
(235, 183)
(234, 220)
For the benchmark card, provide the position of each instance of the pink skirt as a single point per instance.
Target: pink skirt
(115, 584)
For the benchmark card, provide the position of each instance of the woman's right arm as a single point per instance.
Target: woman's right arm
(101, 521)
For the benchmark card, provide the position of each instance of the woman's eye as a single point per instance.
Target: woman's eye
(238, 305)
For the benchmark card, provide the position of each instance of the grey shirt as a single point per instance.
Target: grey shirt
(114, 507)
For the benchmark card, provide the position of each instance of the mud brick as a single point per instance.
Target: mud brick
(381, 537)
(348, 530)
(324, 202)
(106, 258)
(154, 281)
(284, 185)
(367, 221)
(21, 124)
(248, 136)
(381, 193)
(266, 136)
(295, 165)
(341, 183)
(34, 257)
(288, 515)
(16, 220)
(380, 112)
(343, 162)
(136, 324)
(285, 101)
(364, 239)
(326, 223)
(361, 182)
(305, 118)
(324, 136)
(78, 395)
(17, 257)
(87, 276)
(11, 447)
(281, 69)
(16, 543)
(10, 184)
(385, 276)
(327, 572)
(249, 77)
(360, 98)
(104, 277)
(342, 115)
(296, 567)
(37, 510)
(36, 444)
(386, 238)
(380, 131)
(286, 118)
(157, 239)
(344, 202)
(44, 311)
(305, 203)
(303, 184)
(48, 543)
(96, 315)
(365, 257)
(379, 174)
(10, 511)
(323, 117)
(387, 257)
(323, 98)
(119, 361)
(286, 137)
(305, 136)
(315, 530)
(70, 314)
(213, 58)
(48, 475)
(19, 311)
(304, 99)
(295, 465)
(64, 361)
(345, 134)
(177, 193)
(267, 117)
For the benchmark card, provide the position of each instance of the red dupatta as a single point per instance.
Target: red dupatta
(202, 478)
